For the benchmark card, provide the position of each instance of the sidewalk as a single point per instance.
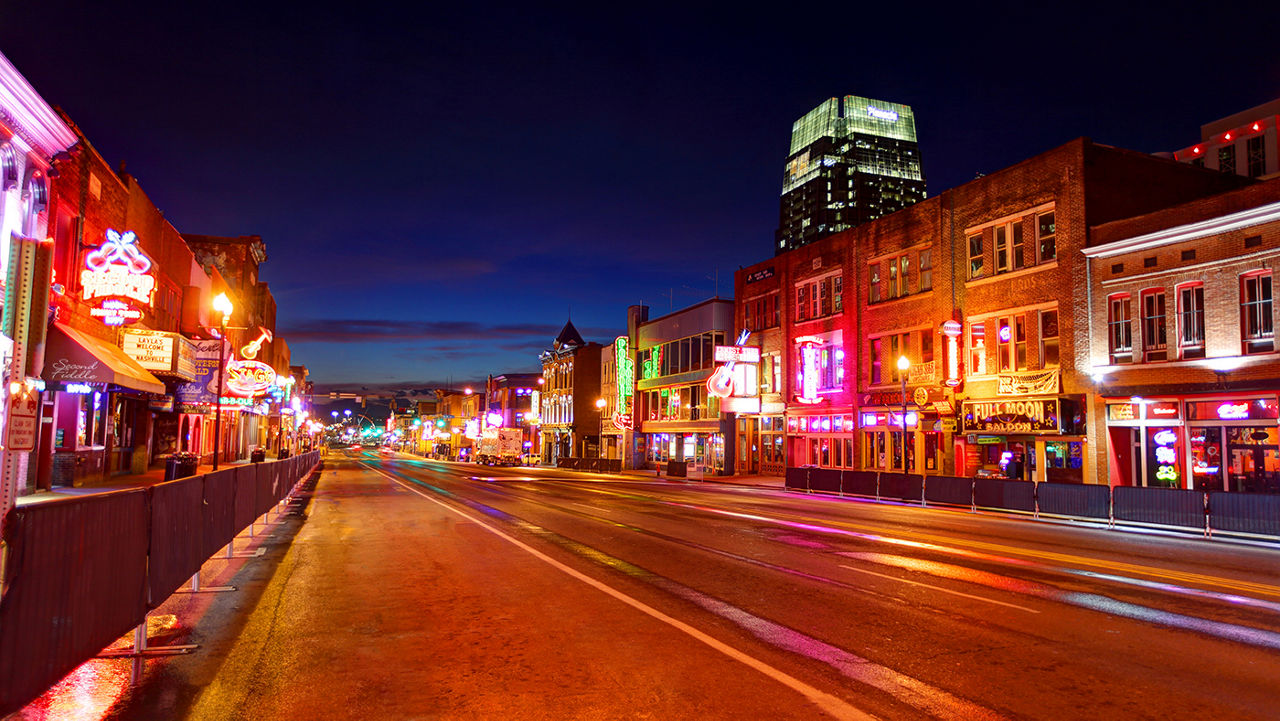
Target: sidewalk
(116, 483)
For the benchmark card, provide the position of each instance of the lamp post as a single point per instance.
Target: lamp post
(903, 365)
(221, 304)
(600, 404)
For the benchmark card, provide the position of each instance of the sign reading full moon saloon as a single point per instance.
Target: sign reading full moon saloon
(117, 278)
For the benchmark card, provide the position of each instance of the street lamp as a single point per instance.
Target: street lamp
(221, 304)
(600, 404)
(903, 365)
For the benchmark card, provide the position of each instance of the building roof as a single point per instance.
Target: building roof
(568, 336)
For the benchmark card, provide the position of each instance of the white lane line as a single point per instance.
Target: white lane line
(833, 706)
(939, 588)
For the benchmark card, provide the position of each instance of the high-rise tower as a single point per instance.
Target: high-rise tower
(846, 168)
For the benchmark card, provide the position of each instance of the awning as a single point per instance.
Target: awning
(74, 357)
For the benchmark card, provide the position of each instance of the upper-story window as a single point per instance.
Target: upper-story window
(926, 270)
(1154, 340)
(1227, 159)
(1049, 339)
(1012, 335)
(1256, 327)
(874, 284)
(1256, 151)
(978, 348)
(819, 297)
(760, 313)
(1047, 237)
(975, 256)
(1191, 321)
(1119, 329)
(898, 271)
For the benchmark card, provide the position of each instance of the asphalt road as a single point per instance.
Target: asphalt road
(426, 590)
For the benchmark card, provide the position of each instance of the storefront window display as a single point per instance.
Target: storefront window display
(824, 441)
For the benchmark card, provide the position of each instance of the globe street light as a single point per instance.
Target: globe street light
(600, 404)
(221, 304)
(903, 365)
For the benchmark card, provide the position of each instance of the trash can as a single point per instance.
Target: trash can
(258, 455)
(180, 465)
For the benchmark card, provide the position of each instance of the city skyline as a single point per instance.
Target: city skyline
(566, 173)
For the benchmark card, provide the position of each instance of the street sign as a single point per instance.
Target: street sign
(24, 413)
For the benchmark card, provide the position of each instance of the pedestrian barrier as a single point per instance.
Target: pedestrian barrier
(1163, 506)
(1074, 499)
(826, 480)
(1005, 495)
(950, 490)
(82, 571)
(858, 483)
(1245, 512)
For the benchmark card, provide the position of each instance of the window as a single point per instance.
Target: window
(824, 304)
(1019, 259)
(802, 302)
(1255, 313)
(1002, 249)
(975, 256)
(1257, 156)
(874, 284)
(1012, 336)
(1153, 326)
(826, 360)
(897, 348)
(926, 346)
(819, 298)
(904, 263)
(978, 348)
(1191, 321)
(1227, 159)
(893, 280)
(1046, 237)
(877, 358)
(926, 270)
(1048, 339)
(837, 293)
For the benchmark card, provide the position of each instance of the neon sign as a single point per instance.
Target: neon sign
(1233, 411)
(1166, 455)
(117, 268)
(626, 373)
(79, 388)
(720, 384)
(116, 312)
(249, 377)
(807, 378)
(493, 420)
(952, 330)
(250, 350)
(622, 421)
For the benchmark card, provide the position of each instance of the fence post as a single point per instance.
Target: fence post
(808, 481)
(878, 485)
(924, 483)
(973, 494)
(1111, 506)
(1208, 528)
(840, 485)
(1035, 499)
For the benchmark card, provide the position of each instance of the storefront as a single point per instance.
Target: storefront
(825, 441)
(1201, 442)
(101, 419)
(880, 427)
(1032, 439)
(684, 423)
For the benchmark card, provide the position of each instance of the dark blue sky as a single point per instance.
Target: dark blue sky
(438, 186)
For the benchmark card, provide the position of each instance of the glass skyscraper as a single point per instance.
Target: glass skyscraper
(846, 168)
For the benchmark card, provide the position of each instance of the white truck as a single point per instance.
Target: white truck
(500, 447)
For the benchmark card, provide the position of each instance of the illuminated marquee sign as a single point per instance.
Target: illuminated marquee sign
(249, 377)
(626, 374)
(117, 273)
(737, 354)
(1011, 416)
(1231, 411)
(720, 384)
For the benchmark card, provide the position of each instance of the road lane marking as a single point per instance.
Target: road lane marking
(938, 588)
(832, 705)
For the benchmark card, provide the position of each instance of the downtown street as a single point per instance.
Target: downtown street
(425, 589)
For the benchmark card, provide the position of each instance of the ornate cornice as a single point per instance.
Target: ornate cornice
(29, 116)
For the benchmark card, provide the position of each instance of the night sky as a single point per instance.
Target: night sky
(440, 187)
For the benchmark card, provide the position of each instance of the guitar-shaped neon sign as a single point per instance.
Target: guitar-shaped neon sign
(250, 351)
(720, 384)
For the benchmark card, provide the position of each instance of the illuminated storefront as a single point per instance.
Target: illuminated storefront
(1023, 438)
(1199, 442)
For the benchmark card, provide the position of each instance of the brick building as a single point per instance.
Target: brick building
(979, 289)
(1182, 343)
(570, 421)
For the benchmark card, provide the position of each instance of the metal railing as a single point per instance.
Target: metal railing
(82, 571)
